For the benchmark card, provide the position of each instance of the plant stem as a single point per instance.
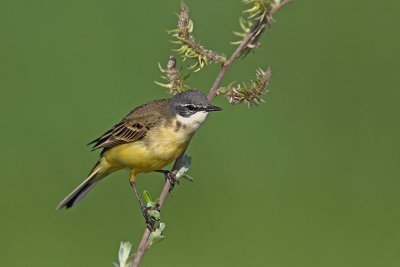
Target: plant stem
(225, 67)
(143, 246)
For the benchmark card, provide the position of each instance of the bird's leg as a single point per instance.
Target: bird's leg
(171, 176)
(143, 208)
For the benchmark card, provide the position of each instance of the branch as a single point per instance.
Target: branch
(243, 45)
(280, 5)
(143, 246)
(213, 91)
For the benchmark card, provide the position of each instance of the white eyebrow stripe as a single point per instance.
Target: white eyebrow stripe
(198, 108)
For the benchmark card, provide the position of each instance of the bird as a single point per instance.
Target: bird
(149, 138)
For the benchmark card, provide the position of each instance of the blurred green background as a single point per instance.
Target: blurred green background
(310, 178)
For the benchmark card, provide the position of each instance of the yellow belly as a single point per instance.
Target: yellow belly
(159, 148)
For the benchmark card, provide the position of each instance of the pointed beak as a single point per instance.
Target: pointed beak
(210, 108)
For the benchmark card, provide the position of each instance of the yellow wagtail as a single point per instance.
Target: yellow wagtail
(147, 139)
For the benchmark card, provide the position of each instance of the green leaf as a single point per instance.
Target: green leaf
(156, 236)
(154, 214)
(188, 177)
(123, 255)
(147, 197)
(183, 165)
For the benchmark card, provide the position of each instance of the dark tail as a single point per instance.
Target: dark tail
(75, 196)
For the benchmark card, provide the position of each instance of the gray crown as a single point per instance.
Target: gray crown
(192, 96)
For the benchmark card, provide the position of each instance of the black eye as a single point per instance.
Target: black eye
(190, 107)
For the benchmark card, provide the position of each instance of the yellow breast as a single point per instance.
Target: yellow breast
(161, 146)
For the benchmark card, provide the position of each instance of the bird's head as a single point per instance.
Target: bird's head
(191, 108)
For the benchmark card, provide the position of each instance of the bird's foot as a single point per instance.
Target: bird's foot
(173, 180)
(147, 217)
(171, 177)
(150, 213)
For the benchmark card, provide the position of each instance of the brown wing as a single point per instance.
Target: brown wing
(133, 127)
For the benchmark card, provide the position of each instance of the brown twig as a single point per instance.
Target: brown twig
(225, 67)
(213, 91)
(280, 5)
(143, 246)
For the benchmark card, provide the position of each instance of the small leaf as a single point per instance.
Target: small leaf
(147, 196)
(183, 165)
(173, 76)
(123, 255)
(188, 177)
(256, 20)
(249, 93)
(154, 214)
(156, 236)
(156, 239)
(189, 47)
(124, 251)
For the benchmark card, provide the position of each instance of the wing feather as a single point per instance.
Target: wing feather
(133, 127)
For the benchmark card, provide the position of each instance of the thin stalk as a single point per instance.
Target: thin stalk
(143, 246)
